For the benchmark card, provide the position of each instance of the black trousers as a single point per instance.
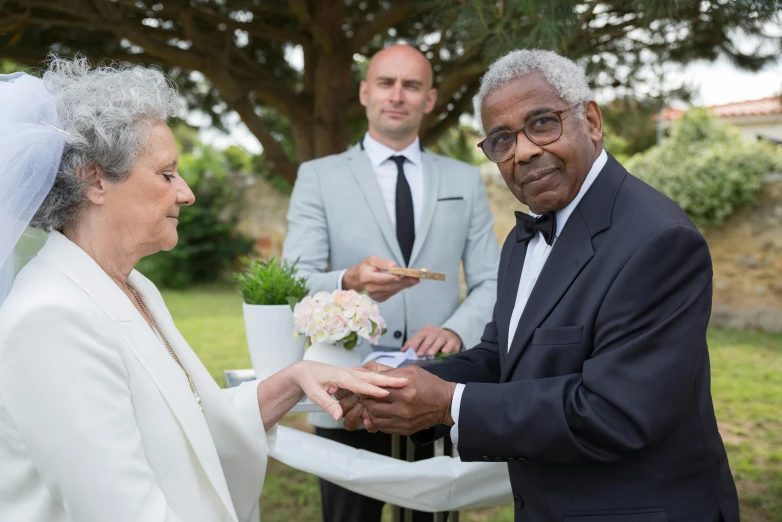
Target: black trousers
(341, 505)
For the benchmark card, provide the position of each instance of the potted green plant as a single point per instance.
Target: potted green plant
(270, 289)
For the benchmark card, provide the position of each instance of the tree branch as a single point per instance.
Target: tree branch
(275, 159)
(399, 12)
(81, 11)
(301, 10)
(435, 130)
(256, 28)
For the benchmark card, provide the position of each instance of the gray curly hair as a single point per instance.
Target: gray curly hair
(106, 112)
(563, 74)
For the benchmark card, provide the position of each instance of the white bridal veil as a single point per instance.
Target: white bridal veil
(31, 146)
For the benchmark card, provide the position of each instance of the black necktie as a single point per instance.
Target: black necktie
(527, 226)
(405, 218)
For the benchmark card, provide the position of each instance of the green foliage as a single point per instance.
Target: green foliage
(8, 67)
(209, 244)
(618, 147)
(271, 282)
(258, 168)
(459, 143)
(629, 125)
(706, 167)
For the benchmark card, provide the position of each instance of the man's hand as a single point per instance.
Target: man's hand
(352, 409)
(369, 275)
(430, 340)
(424, 402)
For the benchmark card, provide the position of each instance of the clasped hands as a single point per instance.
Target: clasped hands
(424, 402)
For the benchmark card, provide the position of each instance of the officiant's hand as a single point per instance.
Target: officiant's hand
(370, 276)
(423, 403)
(430, 340)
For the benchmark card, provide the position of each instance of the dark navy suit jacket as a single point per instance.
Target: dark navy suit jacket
(602, 406)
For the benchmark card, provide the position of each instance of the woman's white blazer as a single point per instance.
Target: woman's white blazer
(97, 421)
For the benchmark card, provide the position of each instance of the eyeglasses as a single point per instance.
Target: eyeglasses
(541, 130)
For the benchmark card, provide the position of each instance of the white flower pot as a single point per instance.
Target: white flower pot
(270, 338)
(333, 354)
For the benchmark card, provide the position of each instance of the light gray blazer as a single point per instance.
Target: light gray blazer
(337, 218)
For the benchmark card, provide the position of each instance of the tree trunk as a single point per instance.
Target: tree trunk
(332, 97)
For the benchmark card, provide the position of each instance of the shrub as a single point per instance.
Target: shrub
(706, 167)
(271, 282)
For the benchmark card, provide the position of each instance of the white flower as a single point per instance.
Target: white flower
(331, 317)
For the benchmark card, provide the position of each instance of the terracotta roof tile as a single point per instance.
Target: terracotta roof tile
(761, 107)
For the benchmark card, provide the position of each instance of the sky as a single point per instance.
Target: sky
(716, 83)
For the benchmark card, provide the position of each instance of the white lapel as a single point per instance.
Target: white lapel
(240, 455)
(149, 349)
(431, 190)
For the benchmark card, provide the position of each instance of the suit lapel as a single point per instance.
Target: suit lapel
(571, 253)
(365, 178)
(173, 386)
(507, 296)
(239, 452)
(431, 172)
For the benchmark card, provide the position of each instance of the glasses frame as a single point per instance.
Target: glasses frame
(523, 128)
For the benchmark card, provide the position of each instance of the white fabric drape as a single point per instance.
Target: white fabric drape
(436, 484)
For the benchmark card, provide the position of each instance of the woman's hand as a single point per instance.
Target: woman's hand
(320, 381)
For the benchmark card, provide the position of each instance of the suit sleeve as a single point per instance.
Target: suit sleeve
(480, 257)
(481, 364)
(308, 235)
(649, 338)
(65, 388)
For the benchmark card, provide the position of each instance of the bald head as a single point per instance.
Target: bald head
(404, 59)
(397, 92)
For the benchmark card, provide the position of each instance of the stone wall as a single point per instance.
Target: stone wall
(746, 250)
(747, 254)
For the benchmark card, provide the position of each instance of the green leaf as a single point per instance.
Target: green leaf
(350, 341)
(271, 282)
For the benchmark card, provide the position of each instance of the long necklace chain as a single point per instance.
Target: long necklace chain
(168, 346)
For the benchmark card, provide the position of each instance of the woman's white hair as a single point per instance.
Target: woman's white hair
(561, 73)
(106, 112)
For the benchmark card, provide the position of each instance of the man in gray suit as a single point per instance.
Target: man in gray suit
(387, 202)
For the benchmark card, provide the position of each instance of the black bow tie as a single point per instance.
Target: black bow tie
(527, 226)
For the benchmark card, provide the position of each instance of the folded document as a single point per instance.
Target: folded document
(395, 359)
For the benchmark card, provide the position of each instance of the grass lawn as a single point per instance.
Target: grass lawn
(746, 384)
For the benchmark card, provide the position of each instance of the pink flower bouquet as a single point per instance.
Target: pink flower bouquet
(341, 316)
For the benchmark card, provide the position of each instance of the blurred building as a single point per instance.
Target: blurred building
(756, 119)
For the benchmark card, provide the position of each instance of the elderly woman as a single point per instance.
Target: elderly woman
(106, 413)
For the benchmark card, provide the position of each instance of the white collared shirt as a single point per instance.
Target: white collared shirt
(386, 173)
(534, 261)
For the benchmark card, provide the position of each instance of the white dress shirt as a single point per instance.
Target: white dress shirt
(386, 174)
(534, 261)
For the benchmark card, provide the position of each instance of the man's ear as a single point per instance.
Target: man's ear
(362, 92)
(95, 191)
(594, 119)
(431, 99)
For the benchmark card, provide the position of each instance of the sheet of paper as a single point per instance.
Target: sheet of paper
(394, 359)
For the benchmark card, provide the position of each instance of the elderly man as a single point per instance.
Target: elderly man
(388, 202)
(592, 379)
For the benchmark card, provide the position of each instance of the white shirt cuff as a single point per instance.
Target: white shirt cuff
(339, 281)
(456, 403)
